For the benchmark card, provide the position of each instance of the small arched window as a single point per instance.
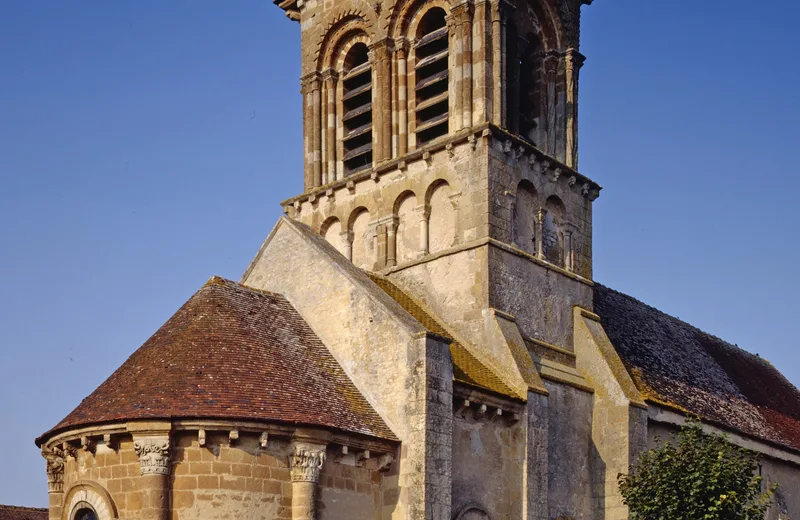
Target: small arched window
(431, 68)
(357, 109)
(85, 513)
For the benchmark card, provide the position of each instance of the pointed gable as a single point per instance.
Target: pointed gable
(232, 352)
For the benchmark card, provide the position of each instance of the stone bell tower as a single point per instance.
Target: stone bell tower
(441, 151)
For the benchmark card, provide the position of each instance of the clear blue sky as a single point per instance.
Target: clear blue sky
(144, 146)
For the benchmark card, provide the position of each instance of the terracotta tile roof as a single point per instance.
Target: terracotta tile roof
(22, 513)
(466, 367)
(232, 353)
(680, 366)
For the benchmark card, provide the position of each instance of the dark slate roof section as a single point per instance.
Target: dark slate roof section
(232, 352)
(682, 367)
(22, 513)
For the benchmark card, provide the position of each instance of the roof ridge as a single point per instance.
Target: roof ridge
(41, 509)
(695, 328)
(226, 282)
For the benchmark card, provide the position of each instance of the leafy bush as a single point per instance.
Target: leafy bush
(698, 476)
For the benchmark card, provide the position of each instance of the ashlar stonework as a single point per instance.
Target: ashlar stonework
(420, 336)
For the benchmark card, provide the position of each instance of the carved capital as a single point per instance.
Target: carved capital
(55, 472)
(153, 454)
(306, 462)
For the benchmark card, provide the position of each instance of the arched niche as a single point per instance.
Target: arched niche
(362, 243)
(552, 239)
(408, 228)
(442, 219)
(524, 217)
(472, 512)
(332, 232)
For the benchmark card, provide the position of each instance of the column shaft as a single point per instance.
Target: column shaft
(402, 98)
(330, 140)
(466, 28)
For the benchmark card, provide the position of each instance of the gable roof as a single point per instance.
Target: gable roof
(22, 513)
(466, 367)
(681, 367)
(231, 352)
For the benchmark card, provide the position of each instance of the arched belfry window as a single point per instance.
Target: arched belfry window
(524, 73)
(357, 109)
(432, 77)
(530, 85)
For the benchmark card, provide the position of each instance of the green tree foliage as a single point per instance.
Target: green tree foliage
(696, 476)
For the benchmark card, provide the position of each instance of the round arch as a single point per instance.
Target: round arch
(472, 512)
(86, 494)
(338, 36)
(405, 19)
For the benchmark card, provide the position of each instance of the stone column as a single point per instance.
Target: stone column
(401, 50)
(424, 213)
(55, 484)
(481, 68)
(308, 149)
(347, 245)
(540, 215)
(154, 464)
(305, 462)
(316, 130)
(382, 104)
(497, 62)
(568, 250)
(462, 14)
(330, 78)
(573, 63)
(391, 238)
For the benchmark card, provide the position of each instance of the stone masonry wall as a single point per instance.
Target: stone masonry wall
(218, 481)
(226, 480)
(488, 464)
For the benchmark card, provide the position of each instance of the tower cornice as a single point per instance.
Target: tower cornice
(512, 143)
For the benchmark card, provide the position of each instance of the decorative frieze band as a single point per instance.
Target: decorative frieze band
(306, 462)
(153, 454)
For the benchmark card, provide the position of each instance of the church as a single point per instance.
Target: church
(420, 336)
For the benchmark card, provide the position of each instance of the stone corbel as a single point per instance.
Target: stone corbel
(385, 462)
(306, 461)
(68, 450)
(153, 454)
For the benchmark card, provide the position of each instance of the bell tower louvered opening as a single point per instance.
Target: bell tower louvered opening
(357, 110)
(432, 77)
